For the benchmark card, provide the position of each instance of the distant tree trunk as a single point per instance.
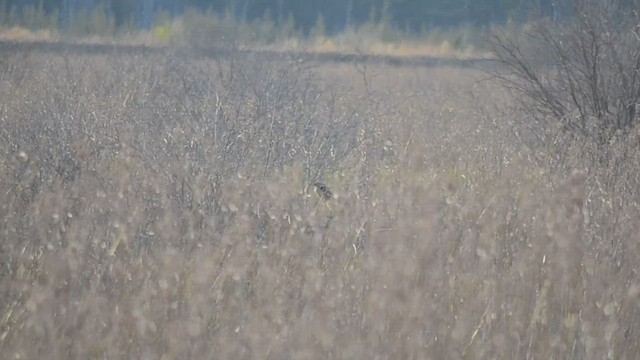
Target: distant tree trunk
(64, 14)
(245, 10)
(122, 11)
(146, 16)
(71, 7)
(347, 24)
(280, 20)
(548, 8)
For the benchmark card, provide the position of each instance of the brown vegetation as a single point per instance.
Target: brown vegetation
(159, 206)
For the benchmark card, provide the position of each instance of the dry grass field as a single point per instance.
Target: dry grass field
(160, 206)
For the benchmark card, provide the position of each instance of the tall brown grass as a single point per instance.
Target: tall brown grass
(159, 206)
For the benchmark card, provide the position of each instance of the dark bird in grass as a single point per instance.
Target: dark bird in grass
(323, 190)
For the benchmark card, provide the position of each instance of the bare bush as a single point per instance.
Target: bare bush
(580, 74)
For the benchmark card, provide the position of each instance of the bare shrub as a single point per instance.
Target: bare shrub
(580, 74)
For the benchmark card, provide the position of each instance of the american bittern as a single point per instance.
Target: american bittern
(323, 190)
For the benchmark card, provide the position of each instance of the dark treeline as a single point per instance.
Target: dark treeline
(411, 15)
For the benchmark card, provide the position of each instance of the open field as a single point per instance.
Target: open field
(158, 205)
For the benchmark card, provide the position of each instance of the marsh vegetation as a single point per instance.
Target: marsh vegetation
(160, 206)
